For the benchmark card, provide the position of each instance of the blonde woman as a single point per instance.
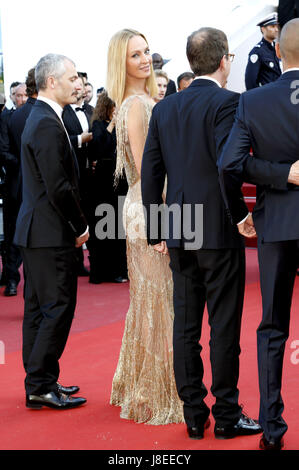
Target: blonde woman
(143, 384)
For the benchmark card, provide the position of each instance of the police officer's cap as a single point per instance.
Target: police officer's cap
(273, 19)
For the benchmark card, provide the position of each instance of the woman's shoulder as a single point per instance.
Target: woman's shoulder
(137, 101)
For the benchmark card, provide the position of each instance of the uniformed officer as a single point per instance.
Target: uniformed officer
(263, 65)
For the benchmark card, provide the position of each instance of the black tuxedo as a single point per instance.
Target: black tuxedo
(171, 88)
(49, 220)
(74, 128)
(11, 149)
(273, 137)
(7, 162)
(186, 135)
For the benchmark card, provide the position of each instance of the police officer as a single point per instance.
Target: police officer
(263, 65)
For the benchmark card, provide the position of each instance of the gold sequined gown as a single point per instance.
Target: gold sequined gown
(143, 384)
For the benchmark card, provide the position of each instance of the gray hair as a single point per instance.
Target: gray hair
(51, 65)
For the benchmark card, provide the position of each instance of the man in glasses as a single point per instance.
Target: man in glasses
(186, 135)
(263, 64)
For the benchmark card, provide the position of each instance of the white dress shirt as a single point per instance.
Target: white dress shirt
(58, 110)
(83, 121)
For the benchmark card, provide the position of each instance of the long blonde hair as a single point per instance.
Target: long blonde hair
(116, 66)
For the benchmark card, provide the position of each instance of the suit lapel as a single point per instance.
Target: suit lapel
(69, 146)
(71, 120)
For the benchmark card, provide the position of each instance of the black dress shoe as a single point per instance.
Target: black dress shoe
(271, 445)
(120, 279)
(67, 390)
(54, 400)
(197, 432)
(10, 289)
(244, 427)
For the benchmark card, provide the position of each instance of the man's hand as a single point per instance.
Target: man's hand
(81, 240)
(294, 173)
(161, 248)
(247, 228)
(86, 137)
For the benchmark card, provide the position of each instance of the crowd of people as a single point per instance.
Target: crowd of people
(92, 134)
(190, 149)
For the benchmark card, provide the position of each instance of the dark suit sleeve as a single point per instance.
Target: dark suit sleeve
(222, 128)
(8, 158)
(74, 141)
(152, 180)
(102, 142)
(236, 165)
(252, 70)
(68, 117)
(49, 149)
(171, 88)
(224, 121)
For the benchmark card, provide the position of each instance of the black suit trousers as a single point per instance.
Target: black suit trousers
(278, 263)
(50, 293)
(215, 278)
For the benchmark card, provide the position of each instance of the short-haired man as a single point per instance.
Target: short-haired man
(89, 93)
(158, 63)
(186, 135)
(12, 92)
(11, 149)
(273, 138)
(263, 64)
(9, 279)
(49, 226)
(184, 80)
(76, 118)
(20, 95)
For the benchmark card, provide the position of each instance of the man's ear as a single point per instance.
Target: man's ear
(277, 49)
(51, 82)
(222, 63)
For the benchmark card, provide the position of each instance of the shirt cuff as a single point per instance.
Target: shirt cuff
(242, 221)
(86, 231)
(79, 141)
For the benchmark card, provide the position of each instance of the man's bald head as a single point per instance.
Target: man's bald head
(289, 43)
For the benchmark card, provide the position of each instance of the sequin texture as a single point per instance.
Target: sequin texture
(143, 384)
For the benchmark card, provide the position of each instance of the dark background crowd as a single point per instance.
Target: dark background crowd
(93, 137)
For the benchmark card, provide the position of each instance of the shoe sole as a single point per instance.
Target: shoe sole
(231, 436)
(38, 406)
(196, 438)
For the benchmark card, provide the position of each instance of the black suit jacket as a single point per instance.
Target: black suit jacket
(73, 126)
(50, 214)
(12, 150)
(5, 157)
(171, 88)
(266, 121)
(186, 135)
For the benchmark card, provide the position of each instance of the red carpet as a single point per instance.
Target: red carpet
(90, 359)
